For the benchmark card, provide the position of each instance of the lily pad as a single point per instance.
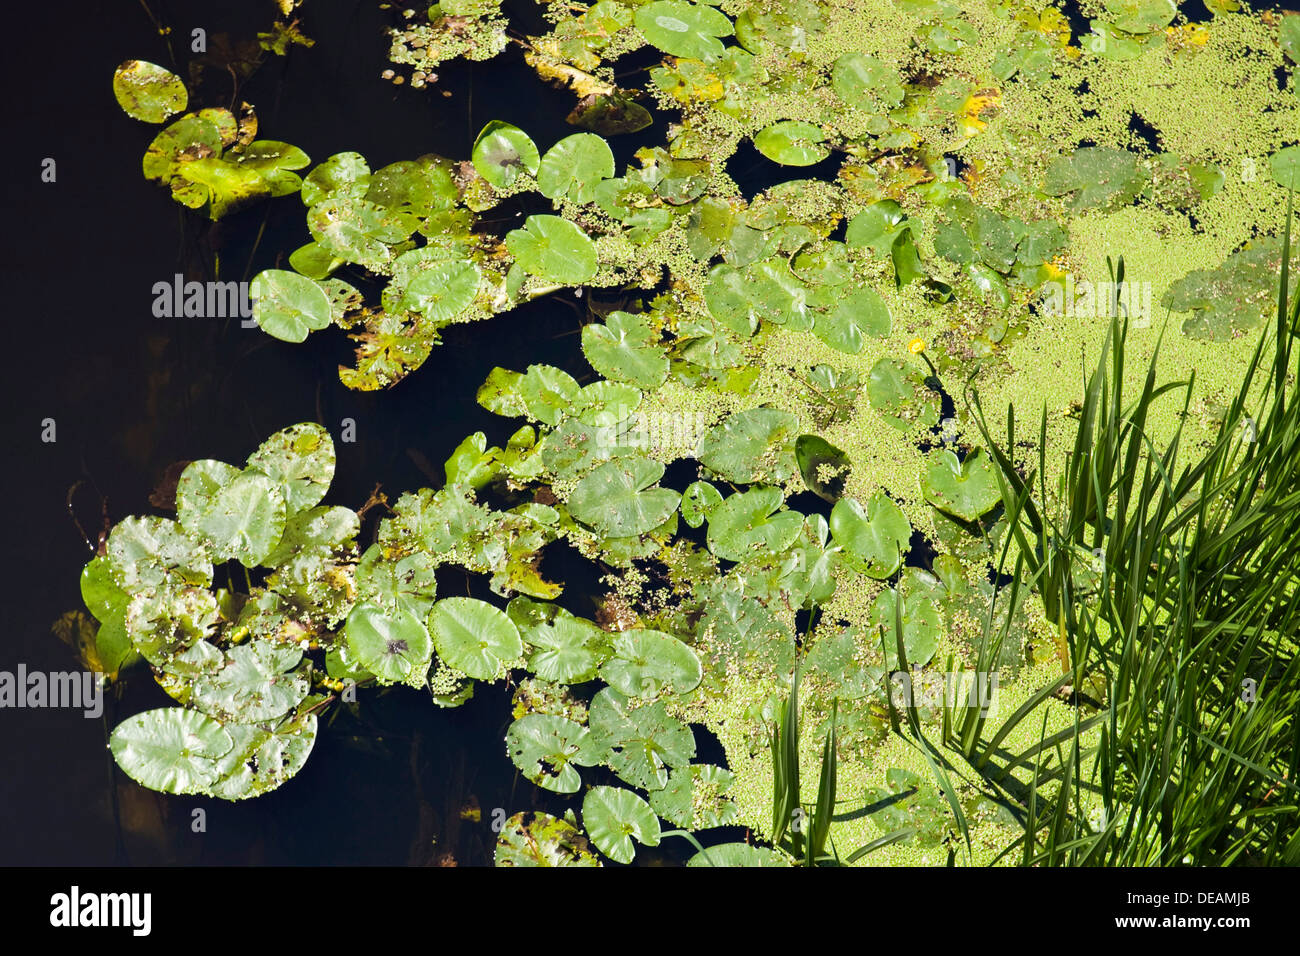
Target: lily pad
(548, 749)
(964, 489)
(683, 29)
(750, 522)
(625, 349)
(539, 839)
(751, 445)
(474, 637)
(645, 661)
(792, 143)
(259, 681)
(574, 166)
(301, 459)
(239, 514)
(502, 152)
(861, 313)
(172, 750)
(877, 533)
(617, 498)
(148, 92)
(613, 816)
(393, 644)
(287, 305)
(922, 627)
(553, 249)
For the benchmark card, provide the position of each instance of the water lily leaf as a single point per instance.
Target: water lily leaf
(343, 174)
(824, 467)
(899, 393)
(101, 594)
(865, 82)
(391, 346)
(539, 839)
(553, 249)
(965, 489)
(792, 143)
(751, 445)
(548, 749)
(1285, 166)
(169, 622)
(501, 152)
(301, 459)
(1096, 177)
(694, 798)
(392, 644)
(639, 744)
(698, 502)
(500, 393)
(256, 683)
(322, 529)
(442, 290)
(409, 583)
(573, 167)
(738, 854)
(683, 29)
(148, 92)
(148, 552)
(1289, 36)
(922, 626)
(858, 314)
(877, 533)
(750, 522)
(876, 227)
(358, 230)
(414, 189)
(288, 306)
(172, 750)
(613, 816)
(617, 498)
(565, 649)
(645, 661)
(261, 760)
(474, 637)
(1142, 16)
(239, 514)
(610, 114)
(908, 803)
(1233, 297)
(549, 393)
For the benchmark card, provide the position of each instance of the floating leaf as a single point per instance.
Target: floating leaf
(922, 626)
(965, 489)
(751, 445)
(865, 82)
(147, 552)
(573, 167)
(738, 854)
(749, 523)
(172, 749)
(1142, 16)
(565, 649)
(148, 92)
(547, 749)
(240, 514)
(613, 817)
(617, 498)
(877, 533)
(698, 502)
(792, 143)
(1097, 177)
(262, 760)
(824, 467)
(539, 839)
(392, 644)
(858, 314)
(301, 459)
(501, 152)
(1285, 165)
(553, 249)
(644, 661)
(900, 393)
(344, 174)
(683, 29)
(255, 684)
(639, 744)
(288, 306)
(474, 637)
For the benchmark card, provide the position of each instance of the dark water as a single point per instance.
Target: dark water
(131, 394)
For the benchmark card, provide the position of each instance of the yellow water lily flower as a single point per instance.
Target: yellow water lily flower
(916, 346)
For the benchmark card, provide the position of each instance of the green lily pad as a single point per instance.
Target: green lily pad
(878, 534)
(1142, 16)
(393, 644)
(548, 749)
(301, 459)
(683, 29)
(625, 349)
(695, 798)
(899, 393)
(617, 498)
(262, 760)
(739, 854)
(239, 514)
(860, 313)
(964, 489)
(751, 445)
(344, 174)
(564, 648)
(553, 249)
(639, 744)
(409, 583)
(539, 839)
(792, 143)
(502, 152)
(824, 467)
(865, 82)
(148, 92)
(1285, 166)
(645, 661)
(922, 627)
(288, 306)
(750, 522)
(698, 502)
(574, 166)
(474, 637)
(148, 552)
(172, 750)
(259, 681)
(1096, 177)
(613, 816)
